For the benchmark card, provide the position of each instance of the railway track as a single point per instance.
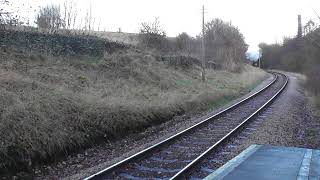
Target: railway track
(176, 156)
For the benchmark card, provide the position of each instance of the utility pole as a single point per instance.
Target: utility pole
(203, 49)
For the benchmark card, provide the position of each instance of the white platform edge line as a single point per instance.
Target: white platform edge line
(305, 166)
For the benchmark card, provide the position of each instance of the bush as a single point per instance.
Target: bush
(313, 79)
(152, 36)
(184, 42)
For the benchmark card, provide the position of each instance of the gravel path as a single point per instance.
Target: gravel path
(287, 122)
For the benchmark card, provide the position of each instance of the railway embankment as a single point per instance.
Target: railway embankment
(55, 106)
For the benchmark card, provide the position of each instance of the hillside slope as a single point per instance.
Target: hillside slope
(53, 105)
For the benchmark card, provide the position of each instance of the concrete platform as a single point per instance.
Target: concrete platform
(265, 162)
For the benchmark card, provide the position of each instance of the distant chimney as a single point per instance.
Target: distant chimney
(299, 27)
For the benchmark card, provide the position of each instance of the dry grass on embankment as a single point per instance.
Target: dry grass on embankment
(52, 105)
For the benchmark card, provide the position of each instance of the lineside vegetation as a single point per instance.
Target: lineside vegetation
(63, 88)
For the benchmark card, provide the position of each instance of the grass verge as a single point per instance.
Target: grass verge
(313, 132)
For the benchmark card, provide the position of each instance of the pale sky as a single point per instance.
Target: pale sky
(258, 20)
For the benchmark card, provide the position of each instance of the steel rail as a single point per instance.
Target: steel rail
(200, 157)
(157, 145)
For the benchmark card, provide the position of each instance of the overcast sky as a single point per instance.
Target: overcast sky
(259, 21)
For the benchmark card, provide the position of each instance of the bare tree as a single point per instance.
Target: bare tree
(183, 42)
(225, 44)
(3, 12)
(152, 35)
(49, 17)
(309, 27)
(7, 16)
(70, 14)
(89, 20)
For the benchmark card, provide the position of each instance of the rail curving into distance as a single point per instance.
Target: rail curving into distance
(178, 154)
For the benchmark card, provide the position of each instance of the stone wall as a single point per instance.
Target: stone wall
(57, 44)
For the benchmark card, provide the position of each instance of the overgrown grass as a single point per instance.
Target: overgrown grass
(51, 105)
(316, 102)
(313, 132)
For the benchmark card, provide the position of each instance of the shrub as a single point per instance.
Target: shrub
(152, 36)
(184, 42)
(314, 79)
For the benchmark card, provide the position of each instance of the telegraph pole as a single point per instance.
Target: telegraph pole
(203, 49)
